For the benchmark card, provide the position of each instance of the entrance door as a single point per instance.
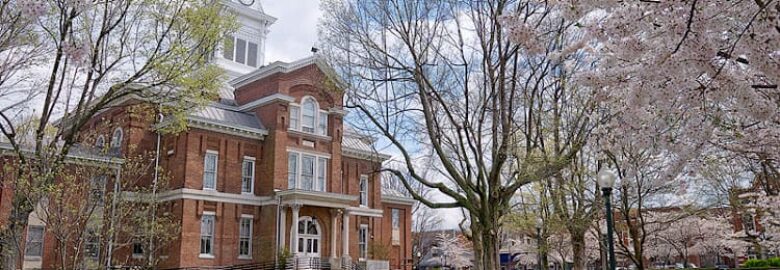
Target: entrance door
(309, 237)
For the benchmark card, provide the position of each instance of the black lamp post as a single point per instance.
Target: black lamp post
(539, 243)
(606, 179)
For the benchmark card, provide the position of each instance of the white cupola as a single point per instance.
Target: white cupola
(244, 51)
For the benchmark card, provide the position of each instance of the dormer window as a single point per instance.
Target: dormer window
(116, 139)
(308, 117)
(240, 51)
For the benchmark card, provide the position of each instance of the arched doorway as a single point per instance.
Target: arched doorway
(309, 237)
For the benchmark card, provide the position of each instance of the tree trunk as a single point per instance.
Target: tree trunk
(12, 234)
(485, 242)
(578, 250)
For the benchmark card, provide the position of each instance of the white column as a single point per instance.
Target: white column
(345, 236)
(334, 216)
(282, 227)
(294, 229)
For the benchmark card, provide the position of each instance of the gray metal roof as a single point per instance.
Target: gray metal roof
(356, 143)
(223, 115)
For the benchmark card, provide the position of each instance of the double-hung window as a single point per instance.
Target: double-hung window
(295, 117)
(396, 220)
(210, 171)
(322, 126)
(363, 241)
(307, 172)
(363, 190)
(207, 235)
(245, 238)
(92, 245)
(247, 176)
(292, 170)
(33, 247)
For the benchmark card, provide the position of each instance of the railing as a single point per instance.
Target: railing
(292, 264)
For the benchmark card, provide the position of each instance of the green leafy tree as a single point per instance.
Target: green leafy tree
(74, 59)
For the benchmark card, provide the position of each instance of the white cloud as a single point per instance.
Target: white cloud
(295, 30)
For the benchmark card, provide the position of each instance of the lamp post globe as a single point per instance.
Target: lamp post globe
(606, 179)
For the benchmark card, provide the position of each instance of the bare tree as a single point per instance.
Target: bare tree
(440, 79)
(90, 56)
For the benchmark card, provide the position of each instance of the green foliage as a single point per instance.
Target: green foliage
(758, 263)
(774, 262)
(283, 256)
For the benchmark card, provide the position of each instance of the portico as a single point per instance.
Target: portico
(319, 222)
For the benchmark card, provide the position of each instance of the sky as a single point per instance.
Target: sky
(295, 30)
(291, 38)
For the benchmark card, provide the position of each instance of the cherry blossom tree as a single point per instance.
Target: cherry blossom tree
(687, 236)
(65, 61)
(441, 79)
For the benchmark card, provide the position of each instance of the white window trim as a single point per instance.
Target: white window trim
(251, 220)
(299, 170)
(365, 246)
(362, 196)
(317, 112)
(216, 169)
(254, 172)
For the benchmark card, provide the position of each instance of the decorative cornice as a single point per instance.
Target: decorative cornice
(397, 200)
(316, 198)
(360, 154)
(265, 100)
(364, 211)
(251, 133)
(215, 196)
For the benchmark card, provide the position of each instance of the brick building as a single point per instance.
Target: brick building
(269, 167)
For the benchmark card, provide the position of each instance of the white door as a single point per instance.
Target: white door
(309, 237)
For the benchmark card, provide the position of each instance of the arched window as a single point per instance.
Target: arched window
(116, 139)
(309, 114)
(100, 142)
(309, 237)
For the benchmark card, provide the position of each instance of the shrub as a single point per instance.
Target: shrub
(774, 262)
(756, 263)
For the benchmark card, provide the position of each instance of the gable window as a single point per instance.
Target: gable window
(308, 117)
(207, 235)
(33, 247)
(210, 170)
(240, 51)
(245, 238)
(363, 241)
(363, 190)
(307, 172)
(116, 139)
(396, 220)
(247, 175)
(100, 143)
